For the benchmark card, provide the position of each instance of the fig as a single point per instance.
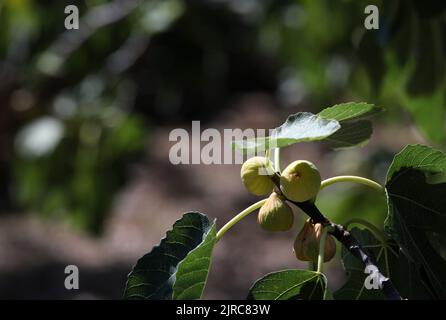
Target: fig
(276, 214)
(256, 176)
(300, 181)
(306, 245)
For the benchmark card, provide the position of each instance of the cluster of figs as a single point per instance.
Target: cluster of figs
(299, 182)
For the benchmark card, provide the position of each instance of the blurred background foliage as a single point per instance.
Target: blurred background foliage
(78, 107)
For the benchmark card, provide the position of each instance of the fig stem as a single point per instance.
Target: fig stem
(269, 164)
(367, 182)
(239, 217)
(321, 255)
(267, 155)
(277, 160)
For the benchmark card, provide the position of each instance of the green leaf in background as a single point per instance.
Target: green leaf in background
(428, 70)
(371, 56)
(392, 263)
(290, 285)
(299, 127)
(428, 113)
(355, 130)
(417, 210)
(188, 246)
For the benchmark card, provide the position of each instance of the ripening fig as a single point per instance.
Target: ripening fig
(306, 245)
(276, 214)
(300, 181)
(256, 177)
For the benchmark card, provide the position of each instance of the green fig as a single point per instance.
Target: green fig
(276, 214)
(306, 245)
(256, 177)
(300, 181)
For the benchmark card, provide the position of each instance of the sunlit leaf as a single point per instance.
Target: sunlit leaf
(299, 127)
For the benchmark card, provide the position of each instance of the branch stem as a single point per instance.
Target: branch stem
(239, 217)
(352, 245)
(367, 182)
(337, 230)
(277, 160)
(349, 242)
(321, 255)
(378, 233)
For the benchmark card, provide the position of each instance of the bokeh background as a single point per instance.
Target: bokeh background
(85, 116)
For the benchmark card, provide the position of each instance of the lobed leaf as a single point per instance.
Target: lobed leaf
(299, 127)
(341, 126)
(416, 195)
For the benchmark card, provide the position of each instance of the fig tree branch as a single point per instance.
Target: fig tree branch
(347, 239)
(352, 245)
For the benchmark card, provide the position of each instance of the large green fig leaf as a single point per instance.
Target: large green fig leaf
(179, 264)
(299, 127)
(341, 126)
(416, 191)
(290, 285)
